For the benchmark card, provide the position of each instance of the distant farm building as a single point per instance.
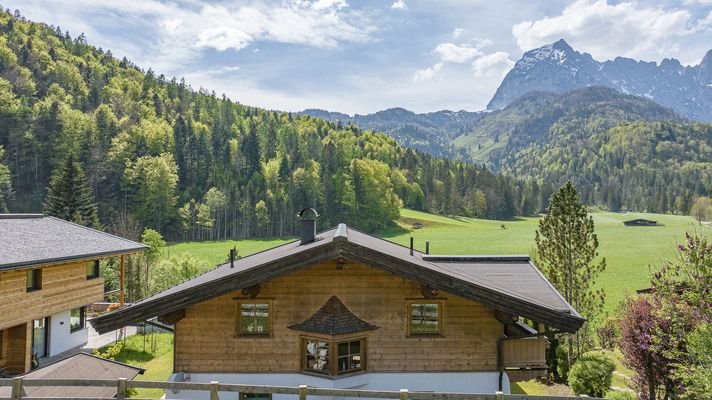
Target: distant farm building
(640, 222)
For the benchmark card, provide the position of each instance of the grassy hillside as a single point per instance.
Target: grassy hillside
(629, 250)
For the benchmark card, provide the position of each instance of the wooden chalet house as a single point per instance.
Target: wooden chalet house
(49, 273)
(345, 309)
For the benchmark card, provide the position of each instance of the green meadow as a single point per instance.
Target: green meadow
(629, 251)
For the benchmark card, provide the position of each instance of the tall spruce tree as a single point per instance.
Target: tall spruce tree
(69, 196)
(566, 250)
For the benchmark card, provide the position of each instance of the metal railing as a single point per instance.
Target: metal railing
(18, 385)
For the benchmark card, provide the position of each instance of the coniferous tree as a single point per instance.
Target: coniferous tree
(5, 183)
(566, 251)
(69, 196)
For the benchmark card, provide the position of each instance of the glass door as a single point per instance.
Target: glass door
(40, 335)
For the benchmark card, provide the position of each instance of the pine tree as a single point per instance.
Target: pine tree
(69, 196)
(566, 249)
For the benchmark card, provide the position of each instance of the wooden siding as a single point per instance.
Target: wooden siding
(19, 347)
(64, 287)
(525, 353)
(205, 339)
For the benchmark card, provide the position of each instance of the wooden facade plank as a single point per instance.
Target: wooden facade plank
(467, 343)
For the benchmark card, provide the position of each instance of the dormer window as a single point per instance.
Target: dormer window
(334, 357)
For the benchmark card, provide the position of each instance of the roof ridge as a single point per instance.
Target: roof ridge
(20, 216)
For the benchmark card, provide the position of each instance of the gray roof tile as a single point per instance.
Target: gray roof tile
(33, 240)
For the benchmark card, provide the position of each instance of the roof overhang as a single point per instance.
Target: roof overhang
(339, 247)
(66, 260)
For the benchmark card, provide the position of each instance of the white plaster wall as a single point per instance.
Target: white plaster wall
(60, 338)
(463, 382)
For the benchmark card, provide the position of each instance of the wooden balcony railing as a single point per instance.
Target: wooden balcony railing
(215, 388)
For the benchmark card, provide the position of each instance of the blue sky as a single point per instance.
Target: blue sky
(364, 56)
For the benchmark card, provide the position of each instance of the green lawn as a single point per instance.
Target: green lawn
(216, 252)
(629, 251)
(152, 352)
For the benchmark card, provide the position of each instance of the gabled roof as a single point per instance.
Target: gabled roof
(333, 318)
(35, 240)
(78, 366)
(508, 284)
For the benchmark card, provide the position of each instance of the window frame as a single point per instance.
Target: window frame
(333, 356)
(36, 277)
(238, 318)
(82, 319)
(95, 269)
(440, 317)
(243, 395)
(3, 336)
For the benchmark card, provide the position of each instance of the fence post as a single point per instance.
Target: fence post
(499, 395)
(404, 394)
(214, 390)
(121, 389)
(302, 392)
(16, 388)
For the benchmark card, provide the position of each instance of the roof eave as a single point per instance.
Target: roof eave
(563, 320)
(64, 260)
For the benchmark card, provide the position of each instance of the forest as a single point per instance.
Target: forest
(150, 150)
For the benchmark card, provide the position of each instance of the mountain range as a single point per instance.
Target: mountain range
(559, 68)
(556, 68)
(430, 132)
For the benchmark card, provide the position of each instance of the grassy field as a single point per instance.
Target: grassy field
(629, 251)
(152, 352)
(216, 252)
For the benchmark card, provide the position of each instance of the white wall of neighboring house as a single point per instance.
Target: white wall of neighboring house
(60, 337)
(463, 382)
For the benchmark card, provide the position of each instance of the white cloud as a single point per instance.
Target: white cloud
(609, 30)
(183, 30)
(494, 65)
(450, 52)
(457, 32)
(399, 5)
(427, 73)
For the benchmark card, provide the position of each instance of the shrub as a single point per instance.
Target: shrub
(620, 395)
(562, 362)
(110, 352)
(608, 333)
(591, 375)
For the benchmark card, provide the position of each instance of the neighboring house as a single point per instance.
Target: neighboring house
(344, 309)
(640, 222)
(49, 273)
(77, 366)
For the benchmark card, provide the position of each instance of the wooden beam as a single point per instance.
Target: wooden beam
(121, 280)
(172, 317)
(251, 291)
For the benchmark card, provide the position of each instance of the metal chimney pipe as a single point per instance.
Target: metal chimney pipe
(427, 247)
(411, 245)
(308, 218)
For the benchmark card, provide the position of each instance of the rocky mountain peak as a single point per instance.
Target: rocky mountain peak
(558, 68)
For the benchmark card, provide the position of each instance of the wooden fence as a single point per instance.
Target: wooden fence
(214, 388)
